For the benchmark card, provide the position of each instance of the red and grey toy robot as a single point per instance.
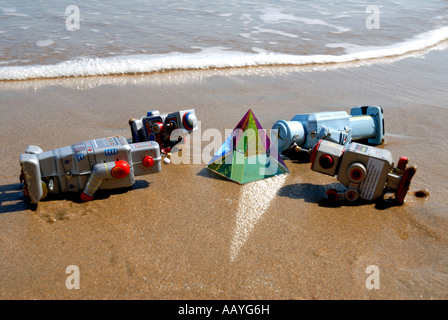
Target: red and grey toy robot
(160, 128)
(367, 172)
(87, 166)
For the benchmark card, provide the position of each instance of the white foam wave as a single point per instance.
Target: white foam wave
(274, 16)
(12, 12)
(212, 58)
(44, 43)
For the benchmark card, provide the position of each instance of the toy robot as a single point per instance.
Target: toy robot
(86, 166)
(159, 127)
(366, 171)
(305, 130)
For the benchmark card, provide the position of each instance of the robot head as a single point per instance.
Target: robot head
(181, 120)
(178, 125)
(153, 126)
(326, 156)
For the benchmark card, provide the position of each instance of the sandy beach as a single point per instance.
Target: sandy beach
(186, 233)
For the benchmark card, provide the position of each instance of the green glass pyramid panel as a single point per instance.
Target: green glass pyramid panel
(245, 155)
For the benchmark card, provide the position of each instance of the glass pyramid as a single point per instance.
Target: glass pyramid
(246, 155)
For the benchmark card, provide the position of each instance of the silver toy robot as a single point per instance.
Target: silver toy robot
(303, 131)
(87, 166)
(366, 171)
(159, 127)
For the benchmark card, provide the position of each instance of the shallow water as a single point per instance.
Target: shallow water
(117, 37)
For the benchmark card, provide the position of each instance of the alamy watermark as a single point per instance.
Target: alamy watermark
(72, 21)
(373, 20)
(73, 280)
(373, 280)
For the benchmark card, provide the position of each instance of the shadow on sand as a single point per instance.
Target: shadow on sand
(13, 200)
(317, 194)
(211, 174)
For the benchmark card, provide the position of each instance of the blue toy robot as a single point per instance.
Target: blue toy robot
(303, 131)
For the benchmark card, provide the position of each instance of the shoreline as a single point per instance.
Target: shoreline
(125, 78)
(173, 235)
(389, 58)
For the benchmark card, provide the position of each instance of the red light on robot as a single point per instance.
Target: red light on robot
(326, 161)
(332, 194)
(121, 169)
(402, 163)
(356, 174)
(351, 195)
(148, 161)
(157, 127)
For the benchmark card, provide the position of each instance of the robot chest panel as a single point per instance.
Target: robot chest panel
(106, 150)
(374, 176)
(153, 127)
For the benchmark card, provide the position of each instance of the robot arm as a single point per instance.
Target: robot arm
(336, 136)
(106, 170)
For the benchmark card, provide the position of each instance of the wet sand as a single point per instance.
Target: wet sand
(186, 233)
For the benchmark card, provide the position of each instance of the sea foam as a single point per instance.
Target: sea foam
(214, 58)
